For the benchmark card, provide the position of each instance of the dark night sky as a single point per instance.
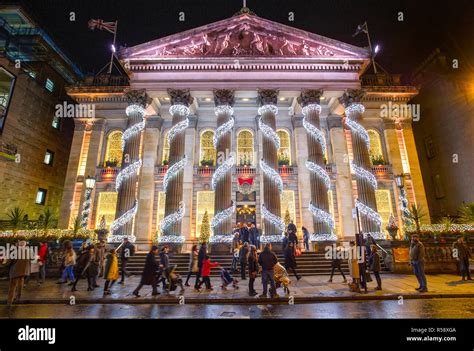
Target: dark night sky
(404, 45)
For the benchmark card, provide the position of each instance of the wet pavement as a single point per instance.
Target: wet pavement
(425, 309)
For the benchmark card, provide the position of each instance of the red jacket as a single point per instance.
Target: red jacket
(43, 250)
(206, 267)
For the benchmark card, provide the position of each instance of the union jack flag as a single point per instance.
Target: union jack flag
(100, 24)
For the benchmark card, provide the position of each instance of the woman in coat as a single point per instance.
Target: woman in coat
(374, 264)
(193, 263)
(253, 269)
(150, 271)
(290, 259)
(111, 271)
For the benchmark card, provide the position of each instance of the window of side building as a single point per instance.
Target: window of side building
(49, 158)
(41, 196)
(7, 83)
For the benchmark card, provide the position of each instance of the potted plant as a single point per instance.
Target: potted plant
(165, 162)
(283, 160)
(392, 227)
(377, 160)
(111, 163)
(16, 217)
(205, 163)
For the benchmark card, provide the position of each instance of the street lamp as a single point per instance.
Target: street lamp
(400, 181)
(90, 183)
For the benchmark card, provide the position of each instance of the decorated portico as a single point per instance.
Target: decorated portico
(243, 100)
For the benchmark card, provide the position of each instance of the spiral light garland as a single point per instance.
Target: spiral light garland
(269, 132)
(369, 213)
(362, 173)
(86, 208)
(132, 131)
(172, 218)
(126, 173)
(310, 128)
(320, 172)
(173, 171)
(221, 171)
(275, 220)
(223, 129)
(123, 219)
(273, 175)
(322, 216)
(222, 216)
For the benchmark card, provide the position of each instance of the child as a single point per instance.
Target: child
(174, 280)
(227, 278)
(206, 272)
(111, 271)
(281, 278)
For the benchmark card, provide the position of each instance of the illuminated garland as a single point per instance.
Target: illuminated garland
(310, 128)
(224, 109)
(176, 129)
(404, 208)
(124, 219)
(269, 133)
(358, 129)
(322, 216)
(179, 109)
(135, 108)
(132, 131)
(223, 129)
(221, 171)
(222, 216)
(362, 173)
(273, 219)
(173, 171)
(273, 175)
(268, 108)
(221, 239)
(126, 173)
(375, 235)
(119, 238)
(320, 172)
(172, 218)
(323, 237)
(86, 208)
(171, 239)
(369, 213)
(442, 228)
(264, 239)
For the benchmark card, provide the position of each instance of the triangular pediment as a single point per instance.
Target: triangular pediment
(243, 35)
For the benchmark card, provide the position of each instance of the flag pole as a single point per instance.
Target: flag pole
(113, 48)
(370, 47)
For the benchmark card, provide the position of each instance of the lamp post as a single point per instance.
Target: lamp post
(90, 183)
(400, 181)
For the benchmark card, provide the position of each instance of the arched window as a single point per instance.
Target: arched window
(284, 152)
(113, 154)
(166, 149)
(245, 150)
(376, 153)
(207, 151)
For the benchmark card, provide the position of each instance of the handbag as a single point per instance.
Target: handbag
(297, 251)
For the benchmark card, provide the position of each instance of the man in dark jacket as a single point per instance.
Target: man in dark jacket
(462, 253)
(253, 236)
(292, 238)
(417, 259)
(244, 254)
(201, 257)
(290, 260)
(149, 273)
(164, 264)
(244, 234)
(128, 250)
(267, 260)
(86, 266)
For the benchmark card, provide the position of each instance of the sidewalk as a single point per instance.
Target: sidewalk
(307, 290)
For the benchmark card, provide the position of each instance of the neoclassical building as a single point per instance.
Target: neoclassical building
(250, 121)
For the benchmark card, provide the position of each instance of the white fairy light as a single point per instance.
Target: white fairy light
(315, 133)
(222, 216)
(221, 239)
(323, 237)
(322, 216)
(264, 239)
(369, 213)
(177, 129)
(179, 109)
(126, 173)
(171, 239)
(311, 108)
(221, 130)
(221, 171)
(320, 172)
(132, 131)
(223, 109)
(172, 218)
(359, 130)
(359, 108)
(273, 219)
(375, 235)
(86, 208)
(134, 109)
(269, 133)
(124, 219)
(268, 108)
(363, 173)
(273, 175)
(119, 238)
(173, 171)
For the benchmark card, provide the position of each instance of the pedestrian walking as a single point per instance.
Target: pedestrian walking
(253, 235)
(127, 251)
(164, 265)
(336, 264)
(19, 269)
(206, 272)
(354, 270)
(267, 261)
(243, 256)
(86, 267)
(193, 264)
(201, 257)
(69, 261)
(290, 259)
(235, 248)
(462, 253)
(244, 233)
(100, 251)
(149, 275)
(285, 241)
(111, 271)
(253, 269)
(417, 260)
(374, 264)
(305, 238)
(292, 237)
(42, 260)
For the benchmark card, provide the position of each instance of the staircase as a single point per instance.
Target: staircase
(309, 263)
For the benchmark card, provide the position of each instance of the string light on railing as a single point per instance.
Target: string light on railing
(222, 216)
(272, 219)
(124, 219)
(369, 213)
(322, 216)
(173, 218)
(320, 172)
(173, 171)
(221, 171)
(273, 175)
(222, 130)
(269, 132)
(362, 173)
(126, 173)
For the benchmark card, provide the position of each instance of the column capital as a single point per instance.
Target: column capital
(137, 97)
(267, 97)
(310, 96)
(180, 96)
(224, 97)
(351, 96)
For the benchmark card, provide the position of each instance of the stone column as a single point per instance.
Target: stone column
(188, 176)
(173, 180)
(272, 182)
(126, 181)
(366, 182)
(222, 178)
(146, 187)
(320, 182)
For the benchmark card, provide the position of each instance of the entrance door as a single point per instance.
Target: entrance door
(246, 214)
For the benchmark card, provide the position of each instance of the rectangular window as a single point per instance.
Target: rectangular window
(41, 196)
(49, 157)
(56, 122)
(49, 85)
(384, 205)
(7, 82)
(106, 205)
(204, 202)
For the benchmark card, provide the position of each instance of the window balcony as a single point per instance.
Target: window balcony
(382, 172)
(160, 170)
(287, 170)
(204, 171)
(245, 170)
(107, 174)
